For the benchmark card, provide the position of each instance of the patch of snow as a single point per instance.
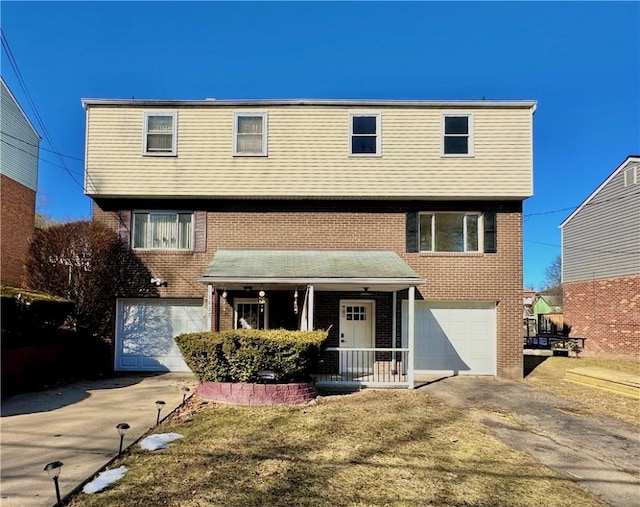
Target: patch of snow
(104, 479)
(159, 441)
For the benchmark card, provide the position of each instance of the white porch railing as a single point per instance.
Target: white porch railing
(381, 367)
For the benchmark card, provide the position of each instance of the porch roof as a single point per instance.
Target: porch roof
(325, 269)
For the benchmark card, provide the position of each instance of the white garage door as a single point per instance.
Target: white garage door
(453, 337)
(145, 332)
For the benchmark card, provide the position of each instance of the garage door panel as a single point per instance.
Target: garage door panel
(146, 328)
(453, 337)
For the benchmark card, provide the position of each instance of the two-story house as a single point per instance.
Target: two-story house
(601, 264)
(397, 225)
(19, 155)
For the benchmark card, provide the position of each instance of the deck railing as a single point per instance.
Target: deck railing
(340, 366)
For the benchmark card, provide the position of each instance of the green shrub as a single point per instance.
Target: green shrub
(238, 355)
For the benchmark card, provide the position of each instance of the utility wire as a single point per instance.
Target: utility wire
(23, 85)
(38, 146)
(592, 203)
(37, 157)
(594, 250)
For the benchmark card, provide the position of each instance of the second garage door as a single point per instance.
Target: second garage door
(453, 337)
(145, 332)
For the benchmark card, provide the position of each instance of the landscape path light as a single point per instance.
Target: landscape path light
(185, 391)
(159, 405)
(122, 430)
(53, 469)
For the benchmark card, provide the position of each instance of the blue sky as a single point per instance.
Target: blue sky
(579, 60)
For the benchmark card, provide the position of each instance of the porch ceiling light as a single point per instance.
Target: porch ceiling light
(262, 293)
(247, 288)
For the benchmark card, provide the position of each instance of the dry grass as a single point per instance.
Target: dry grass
(551, 373)
(373, 448)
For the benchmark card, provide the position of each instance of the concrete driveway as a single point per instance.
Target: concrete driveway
(76, 425)
(602, 454)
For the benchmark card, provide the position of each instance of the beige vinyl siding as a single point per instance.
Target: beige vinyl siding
(309, 155)
(19, 146)
(603, 239)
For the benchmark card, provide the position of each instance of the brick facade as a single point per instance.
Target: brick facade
(257, 395)
(346, 225)
(17, 225)
(607, 312)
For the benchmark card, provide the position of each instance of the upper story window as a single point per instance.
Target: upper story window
(450, 232)
(162, 230)
(457, 135)
(250, 134)
(365, 134)
(160, 133)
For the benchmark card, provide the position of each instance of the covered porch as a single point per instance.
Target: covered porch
(354, 294)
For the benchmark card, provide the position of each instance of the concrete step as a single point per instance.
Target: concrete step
(627, 384)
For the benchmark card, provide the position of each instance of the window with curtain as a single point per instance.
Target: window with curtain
(163, 230)
(449, 232)
(160, 135)
(250, 134)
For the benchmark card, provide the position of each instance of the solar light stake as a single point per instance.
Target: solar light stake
(159, 405)
(54, 469)
(122, 430)
(185, 391)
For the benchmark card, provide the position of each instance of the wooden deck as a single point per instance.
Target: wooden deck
(618, 382)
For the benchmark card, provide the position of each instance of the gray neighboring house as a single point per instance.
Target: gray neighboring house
(601, 264)
(19, 149)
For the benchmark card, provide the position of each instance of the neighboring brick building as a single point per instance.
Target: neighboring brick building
(18, 185)
(348, 215)
(601, 265)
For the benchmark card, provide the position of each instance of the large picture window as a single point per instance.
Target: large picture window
(160, 133)
(450, 232)
(250, 134)
(163, 230)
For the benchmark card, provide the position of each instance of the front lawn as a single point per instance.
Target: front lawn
(372, 448)
(550, 374)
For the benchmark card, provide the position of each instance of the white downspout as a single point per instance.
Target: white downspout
(310, 309)
(411, 335)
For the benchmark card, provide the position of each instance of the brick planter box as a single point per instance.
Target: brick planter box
(257, 395)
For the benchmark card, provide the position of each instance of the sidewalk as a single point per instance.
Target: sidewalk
(76, 425)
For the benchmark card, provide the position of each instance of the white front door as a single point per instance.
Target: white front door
(357, 328)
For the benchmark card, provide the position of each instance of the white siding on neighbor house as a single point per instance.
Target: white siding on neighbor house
(19, 142)
(309, 154)
(602, 239)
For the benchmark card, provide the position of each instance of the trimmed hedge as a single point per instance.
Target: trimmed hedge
(238, 355)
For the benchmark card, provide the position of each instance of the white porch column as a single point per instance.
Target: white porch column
(209, 303)
(411, 317)
(310, 309)
(394, 330)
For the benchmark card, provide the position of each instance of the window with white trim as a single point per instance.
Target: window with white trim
(160, 133)
(250, 134)
(450, 232)
(365, 134)
(162, 230)
(457, 135)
